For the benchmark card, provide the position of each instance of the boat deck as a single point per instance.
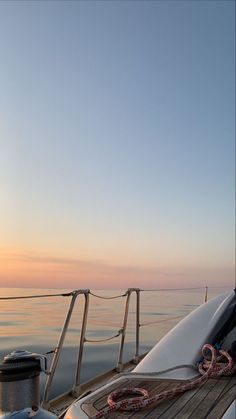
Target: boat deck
(210, 400)
(61, 403)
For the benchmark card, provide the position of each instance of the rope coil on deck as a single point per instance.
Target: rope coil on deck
(212, 367)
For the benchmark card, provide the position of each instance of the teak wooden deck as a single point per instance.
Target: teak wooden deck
(210, 400)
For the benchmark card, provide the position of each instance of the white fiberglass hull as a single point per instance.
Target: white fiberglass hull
(182, 345)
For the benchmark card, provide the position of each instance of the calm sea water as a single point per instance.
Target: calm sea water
(35, 325)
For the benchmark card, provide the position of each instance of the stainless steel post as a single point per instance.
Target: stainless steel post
(58, 350)
(123, 331)
(76, 388)
(136, 356)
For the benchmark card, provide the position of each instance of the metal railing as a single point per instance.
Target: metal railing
(57, 351)
(124, 327)
(61, 340)
(76, 390)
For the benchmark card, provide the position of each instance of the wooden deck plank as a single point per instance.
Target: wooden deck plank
(179, 403)
(210, 400)
(224, 401)
(208, 403)
(160, 408)
(201, 393)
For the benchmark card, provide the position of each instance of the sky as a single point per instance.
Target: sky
(117, 136)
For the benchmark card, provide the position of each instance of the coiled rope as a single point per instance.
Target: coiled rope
(210, 367)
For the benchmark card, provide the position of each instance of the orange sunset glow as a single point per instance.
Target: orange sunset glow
(35, 270)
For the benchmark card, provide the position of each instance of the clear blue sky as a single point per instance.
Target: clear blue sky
(117, 135)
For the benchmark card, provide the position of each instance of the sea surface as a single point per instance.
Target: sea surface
(35, 325)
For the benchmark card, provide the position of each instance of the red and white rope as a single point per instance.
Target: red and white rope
(208, 368)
